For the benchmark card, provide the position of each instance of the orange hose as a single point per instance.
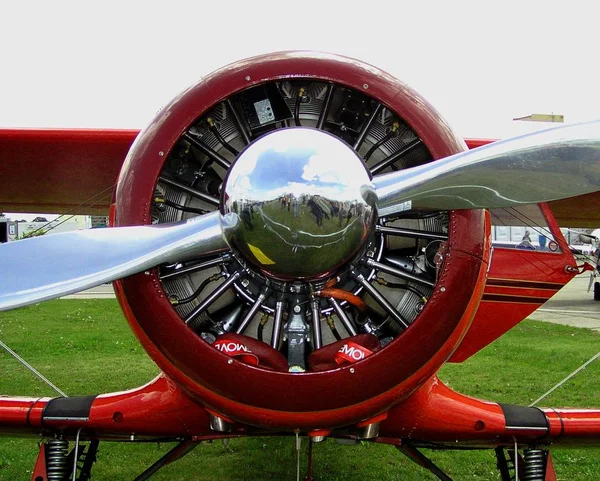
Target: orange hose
(342, 295)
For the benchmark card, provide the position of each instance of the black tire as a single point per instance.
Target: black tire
(597, 291)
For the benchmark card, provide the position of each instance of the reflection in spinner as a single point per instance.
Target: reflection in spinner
(304, 200)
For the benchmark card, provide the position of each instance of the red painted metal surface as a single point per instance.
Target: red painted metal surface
(437, 414)
(21, 414)
(49, 171)
(464, 419)
(519, 281)
(474, 143)
(39, 470)
(573, 426)
(550, 472)
(159, 408)
(309, 400)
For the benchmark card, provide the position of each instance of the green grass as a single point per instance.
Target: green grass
(86, 347)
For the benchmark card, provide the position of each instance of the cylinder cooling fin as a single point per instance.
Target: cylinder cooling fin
(264, 344)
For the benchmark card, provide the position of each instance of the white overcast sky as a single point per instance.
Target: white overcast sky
(114, 64)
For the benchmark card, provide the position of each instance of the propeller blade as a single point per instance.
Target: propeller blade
(55, 265)
(547, 165)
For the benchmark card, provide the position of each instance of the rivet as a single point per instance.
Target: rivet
(161, 153)
(297, 309)
(351, 370)
(147, 273)
(442, 289)
(365, 86)
(248, 78)
(230, 361)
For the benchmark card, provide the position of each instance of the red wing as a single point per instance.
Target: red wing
(56, 171)
(50, 170)
(581, 211)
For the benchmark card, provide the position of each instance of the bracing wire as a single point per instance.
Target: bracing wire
(75, 210)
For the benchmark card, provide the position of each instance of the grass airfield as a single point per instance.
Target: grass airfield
(85, 347)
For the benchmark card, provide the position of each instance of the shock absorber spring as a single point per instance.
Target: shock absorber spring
(57, 451)
(534, 464)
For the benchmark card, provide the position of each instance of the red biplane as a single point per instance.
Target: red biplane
(300, 242)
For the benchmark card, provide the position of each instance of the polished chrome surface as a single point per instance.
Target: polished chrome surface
(379, 298)
(277, 325)
(219, 424)
(304, 200)
(370, 431)
(540, 167)
(213, 296)
(342, 316)
(55, 265)
(317, 335)
(253, 310)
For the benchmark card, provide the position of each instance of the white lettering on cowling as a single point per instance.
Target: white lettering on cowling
(231, 347)
(352, 352)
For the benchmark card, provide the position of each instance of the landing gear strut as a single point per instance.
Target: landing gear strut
(535, 464)
(54, 464)
(418, 457)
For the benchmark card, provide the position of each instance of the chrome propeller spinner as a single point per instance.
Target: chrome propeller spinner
(304, 201)
(549, 165)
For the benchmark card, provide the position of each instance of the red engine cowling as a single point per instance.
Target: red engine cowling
(175, 170)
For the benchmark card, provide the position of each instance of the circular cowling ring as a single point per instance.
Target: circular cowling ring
(283, 400)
